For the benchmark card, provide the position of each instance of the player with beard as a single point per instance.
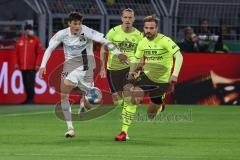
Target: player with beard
(158, 53)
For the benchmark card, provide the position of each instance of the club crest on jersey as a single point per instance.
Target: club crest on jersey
(82, 38)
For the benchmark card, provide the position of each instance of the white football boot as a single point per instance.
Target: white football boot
(70, 133)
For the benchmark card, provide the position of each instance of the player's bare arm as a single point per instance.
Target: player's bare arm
(102, 61)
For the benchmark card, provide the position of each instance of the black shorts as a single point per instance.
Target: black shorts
(154, 90)
(117, 79)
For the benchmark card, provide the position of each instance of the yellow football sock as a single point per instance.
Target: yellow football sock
(160, 106)
(118, 102)
(128, 113)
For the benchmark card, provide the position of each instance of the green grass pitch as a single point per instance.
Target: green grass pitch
(182, 132)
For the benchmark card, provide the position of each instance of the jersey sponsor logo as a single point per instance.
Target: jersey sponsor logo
(152, 58)
(126, 46)
(153, 55)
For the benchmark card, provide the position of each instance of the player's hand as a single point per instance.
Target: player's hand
(131, 75)
(42, 71)
(137, 74)
(171, 88)
(103, 72)
(173, 79)
(172, 82)
(123, 58)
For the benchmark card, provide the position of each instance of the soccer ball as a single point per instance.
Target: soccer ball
(94, 95)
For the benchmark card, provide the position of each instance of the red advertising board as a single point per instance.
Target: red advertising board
(12, 89)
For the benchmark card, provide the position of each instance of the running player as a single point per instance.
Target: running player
(79, 62)
(158, 52)
(126, 38)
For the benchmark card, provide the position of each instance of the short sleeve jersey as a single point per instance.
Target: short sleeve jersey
(158, 54)
(126, 43)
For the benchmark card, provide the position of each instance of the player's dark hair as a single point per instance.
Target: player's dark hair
(75, 16)
(127, 10)
(151, 18)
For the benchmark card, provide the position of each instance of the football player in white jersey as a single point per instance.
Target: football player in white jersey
(79, 63)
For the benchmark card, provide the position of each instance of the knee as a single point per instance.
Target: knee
(65, 104)
(127, 89)
(64, 97)
(137, 95)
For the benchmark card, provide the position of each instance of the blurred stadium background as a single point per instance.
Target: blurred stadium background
(50, 16)
(186, 131)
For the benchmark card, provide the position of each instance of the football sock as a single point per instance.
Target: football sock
(66, 108)
(69, 125)
(128, 113)
(160, 109)
(160, 106)
(118, 102)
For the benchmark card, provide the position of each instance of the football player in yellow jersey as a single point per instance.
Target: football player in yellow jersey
(158, 52)
(126, 38)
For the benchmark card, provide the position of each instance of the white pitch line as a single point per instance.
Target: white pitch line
(24, 114)
(101, 155)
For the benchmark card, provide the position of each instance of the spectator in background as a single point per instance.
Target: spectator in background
(220, 46)
(93, 9)
(205, 35)
(29, 54)
(227, 33)
(190, 41)
(204, 28)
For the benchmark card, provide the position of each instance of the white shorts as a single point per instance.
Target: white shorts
(81, 79)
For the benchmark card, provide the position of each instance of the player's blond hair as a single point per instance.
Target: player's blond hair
(127, 10)
(151, 18)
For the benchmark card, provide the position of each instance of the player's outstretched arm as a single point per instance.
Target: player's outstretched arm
(102, 61)
(54, 42)
(99, 37)
(177, 67)
(123, 58)
(133, 67)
